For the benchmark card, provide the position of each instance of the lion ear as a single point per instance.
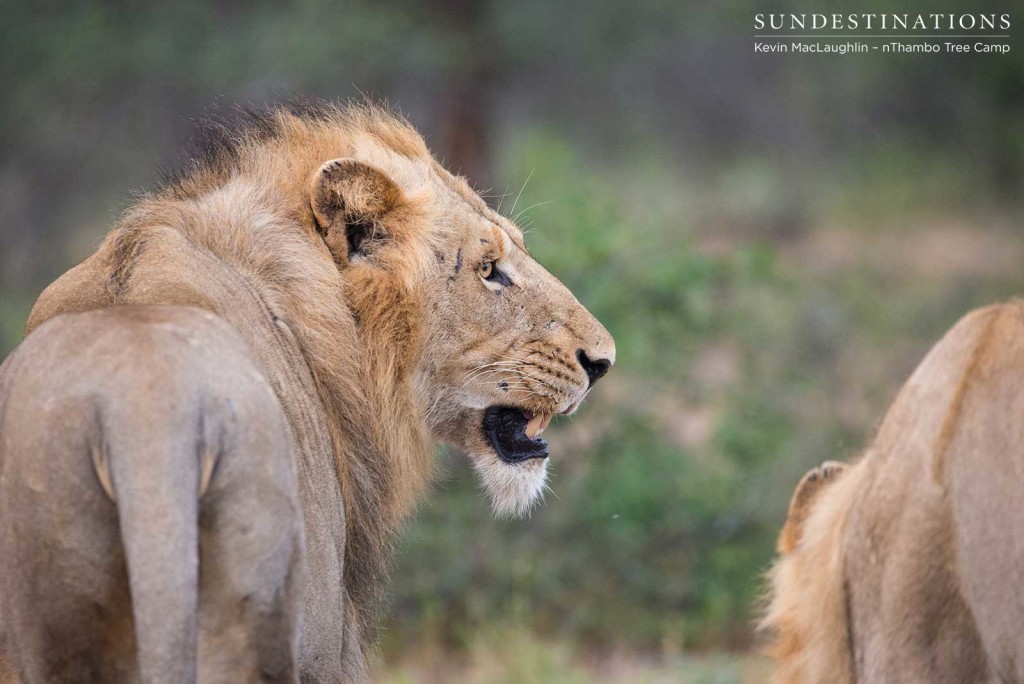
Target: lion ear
(807, 492)
(349, 198)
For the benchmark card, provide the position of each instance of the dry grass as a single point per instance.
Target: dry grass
(509, 656)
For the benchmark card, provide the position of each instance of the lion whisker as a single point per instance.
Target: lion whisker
(487, 370)
(502, 200)
(532, 206)
(521, 191)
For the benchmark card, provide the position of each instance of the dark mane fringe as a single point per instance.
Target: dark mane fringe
(213, 147)
(213, 150)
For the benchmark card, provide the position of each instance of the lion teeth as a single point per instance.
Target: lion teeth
(544, 424)
(533, 427)
(537, 424)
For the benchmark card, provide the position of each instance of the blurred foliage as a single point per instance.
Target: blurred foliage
(773, 240)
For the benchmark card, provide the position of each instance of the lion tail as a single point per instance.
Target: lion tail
(156, 478)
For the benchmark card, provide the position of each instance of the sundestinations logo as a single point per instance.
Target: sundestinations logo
(884, 33)
(882, 22)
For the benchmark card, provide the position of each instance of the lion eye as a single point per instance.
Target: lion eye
(489, 271)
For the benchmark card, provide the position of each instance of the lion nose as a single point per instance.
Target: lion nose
(595, 368)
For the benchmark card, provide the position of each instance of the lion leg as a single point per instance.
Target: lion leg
(251, 549)
(63, 579)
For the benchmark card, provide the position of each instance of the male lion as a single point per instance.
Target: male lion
(907, 566)
(218, 420)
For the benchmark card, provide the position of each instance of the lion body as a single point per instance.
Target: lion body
(231, 242)
(907, 565)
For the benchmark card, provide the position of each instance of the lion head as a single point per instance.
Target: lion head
(496, 345)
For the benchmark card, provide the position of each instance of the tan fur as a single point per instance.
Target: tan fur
(906, 566)
(374, 355)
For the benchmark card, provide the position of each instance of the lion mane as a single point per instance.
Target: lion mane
(906, 565)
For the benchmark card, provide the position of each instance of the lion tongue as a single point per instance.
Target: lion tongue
(537, 424)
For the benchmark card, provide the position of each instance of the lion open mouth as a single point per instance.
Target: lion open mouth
(515, 434)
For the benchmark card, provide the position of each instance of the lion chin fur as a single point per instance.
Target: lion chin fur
(905, 566)
(513, 490)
